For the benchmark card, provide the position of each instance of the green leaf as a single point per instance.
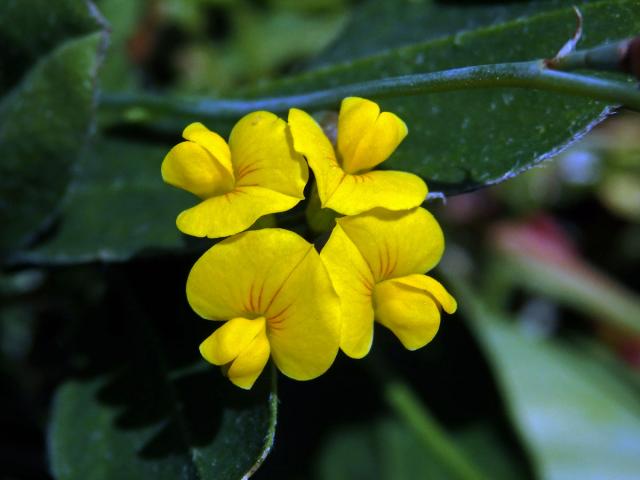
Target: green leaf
(209, 430)
(47, 78)
(395, 23)
(117, 207)
(459, 141)
(143, 409)
(577, 419)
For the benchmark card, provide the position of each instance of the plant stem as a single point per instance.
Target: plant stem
(412, 411)
(532, 75)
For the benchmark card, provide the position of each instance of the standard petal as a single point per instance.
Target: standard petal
(263, 155)
(303, 321)
(247, 367)
(410, 313)
(232, 212)
(231, 339)
(310, 141)
(386, 189)
(212, 142)
(431, 286)
(377, 144)
(353, 281)
(356, 119)
(240, 276)
(395, 244)
(192, 168)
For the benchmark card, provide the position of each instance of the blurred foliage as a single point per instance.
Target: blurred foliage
(538, 376)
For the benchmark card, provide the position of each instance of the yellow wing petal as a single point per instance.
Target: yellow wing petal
(431, 286)
(263, 155)
(232, 212)
(386, 189)
(395, 244)
(247, 367)
(231, 339)
(190, 167)
(366, 137)
(212, 142)
(304, 321)
(410, 313)
(353, 281)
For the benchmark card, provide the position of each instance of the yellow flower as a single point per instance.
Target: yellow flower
(257, 173)
(366, 138)
(375, 261)
(278, 299)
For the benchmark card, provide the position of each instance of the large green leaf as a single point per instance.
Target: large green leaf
(143, 407)
(117, 207)
(48, 63)
(577, 419)
(459, 141)
(191, 425)
(394, 23)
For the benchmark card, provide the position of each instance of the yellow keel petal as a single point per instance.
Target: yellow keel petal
(190, 167)
(212, 142)
(431, 286)
(411, 314)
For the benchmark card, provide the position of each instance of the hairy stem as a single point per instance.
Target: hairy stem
(551, 75)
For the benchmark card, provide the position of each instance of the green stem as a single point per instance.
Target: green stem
(531, 75)
(412, 411)
(273, 420)
(409, 408)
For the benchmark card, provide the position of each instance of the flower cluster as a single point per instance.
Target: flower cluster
(279, 297)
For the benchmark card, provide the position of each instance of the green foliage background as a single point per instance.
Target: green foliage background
(535, 377)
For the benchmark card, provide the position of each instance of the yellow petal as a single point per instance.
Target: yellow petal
(310, 141)
(431, 286)
(192, 168)
(239, 276)
(247, 367)
(263, 155)
(304, 321)
(232, 212)
(357, 116)
(366, 137)
(410, 313)
(345, 193)
(353, 281)
(231, 339)
(395, 244)
(212, 142)
(386, 189)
